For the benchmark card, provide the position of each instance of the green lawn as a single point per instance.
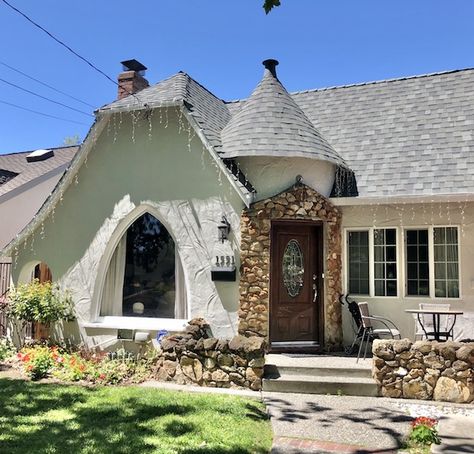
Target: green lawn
(48, 418)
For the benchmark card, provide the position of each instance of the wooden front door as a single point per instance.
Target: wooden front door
(296, 285)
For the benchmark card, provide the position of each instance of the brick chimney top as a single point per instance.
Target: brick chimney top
(131, 79)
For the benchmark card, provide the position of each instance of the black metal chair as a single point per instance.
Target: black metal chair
(356, 322)
(369, 333)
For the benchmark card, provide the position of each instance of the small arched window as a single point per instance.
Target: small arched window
(42, 273)
(145, 277)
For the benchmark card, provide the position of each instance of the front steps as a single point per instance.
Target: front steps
(308, 374)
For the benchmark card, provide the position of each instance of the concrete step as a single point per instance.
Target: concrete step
(305, 384)
(273, 371)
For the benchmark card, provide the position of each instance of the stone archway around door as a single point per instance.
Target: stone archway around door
(299, 202)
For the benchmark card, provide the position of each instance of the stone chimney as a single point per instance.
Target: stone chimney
(131, 79)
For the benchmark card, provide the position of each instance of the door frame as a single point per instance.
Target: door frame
(298, 347)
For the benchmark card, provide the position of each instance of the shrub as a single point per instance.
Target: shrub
(40, 302)
(36, 361)
(7, 349)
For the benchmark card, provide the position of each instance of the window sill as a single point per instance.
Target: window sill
(137, 323)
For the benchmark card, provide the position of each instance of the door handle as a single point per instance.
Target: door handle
(315, 289)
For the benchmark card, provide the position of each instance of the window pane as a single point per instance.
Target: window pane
(358, 246)
(440, 270)
(379, 288)
(424, 288)
(439, 254)
(451, 235)
(391, 288)
(391, 270)
(423, 237)
(412, 253)
(391, 253)
(423, 253)
(440, 289)
(385, 262)
(390, 236)
(379, 236)
(424, 271)
(417, 263)
(452, 269)
(379, 271)
(379, 254)
(453, 289)
(412, 236)
(446, 262)
(412, 271)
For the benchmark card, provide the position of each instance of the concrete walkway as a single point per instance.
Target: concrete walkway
(309, 423)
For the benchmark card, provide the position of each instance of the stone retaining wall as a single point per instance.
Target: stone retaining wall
(200, 359)
(424, 370)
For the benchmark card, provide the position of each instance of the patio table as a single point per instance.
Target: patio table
(436, 313)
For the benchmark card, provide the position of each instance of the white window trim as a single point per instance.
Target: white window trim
(432, 295)
(371, 259)
(137, 323)
(401, 261)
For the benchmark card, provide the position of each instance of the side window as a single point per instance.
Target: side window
(385, 262)
(358, 255)
(417, 263)
(446, 262)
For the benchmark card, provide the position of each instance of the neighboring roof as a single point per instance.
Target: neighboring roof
(28, 171)
(409, 136)
(270, 123)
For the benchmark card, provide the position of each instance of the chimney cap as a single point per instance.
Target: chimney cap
(133, 65)
(271, 65)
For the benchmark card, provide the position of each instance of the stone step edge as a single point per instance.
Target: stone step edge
(322, 379)
(335, 371)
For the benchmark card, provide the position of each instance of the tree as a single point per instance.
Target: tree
(268, 5)
(71, 140)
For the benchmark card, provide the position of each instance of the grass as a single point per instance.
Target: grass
(50, 418)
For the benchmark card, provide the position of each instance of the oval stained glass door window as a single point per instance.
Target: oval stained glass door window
(292, 268)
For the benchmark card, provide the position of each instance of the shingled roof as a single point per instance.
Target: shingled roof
(411, 136)
(25, 171)
(270, 123)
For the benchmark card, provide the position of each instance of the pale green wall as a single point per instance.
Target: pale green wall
(158, 167)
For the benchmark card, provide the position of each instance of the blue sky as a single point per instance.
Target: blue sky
(221, 44)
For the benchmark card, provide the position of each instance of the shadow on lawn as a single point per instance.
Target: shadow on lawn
(61, 419)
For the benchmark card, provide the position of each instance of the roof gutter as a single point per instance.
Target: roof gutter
(391, 200)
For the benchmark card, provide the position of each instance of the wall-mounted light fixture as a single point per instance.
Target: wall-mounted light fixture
(224, 229)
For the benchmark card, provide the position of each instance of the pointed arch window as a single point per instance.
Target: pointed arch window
(145, 277)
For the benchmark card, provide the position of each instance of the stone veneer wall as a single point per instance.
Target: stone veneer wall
(200, 359)
(424, 369)
(298, 202)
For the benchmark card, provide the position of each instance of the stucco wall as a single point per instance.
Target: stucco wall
(137, 163)
(17, 210)
(421, 215)
(272, 175)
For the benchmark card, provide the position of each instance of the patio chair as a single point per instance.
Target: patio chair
(369, 333)
(356, 322)
(446, 321)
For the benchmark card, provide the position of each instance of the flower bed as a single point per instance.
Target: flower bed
(41, 361)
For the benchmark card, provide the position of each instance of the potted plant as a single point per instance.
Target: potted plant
(42, 304)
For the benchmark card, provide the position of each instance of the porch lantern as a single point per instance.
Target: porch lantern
(223, 229)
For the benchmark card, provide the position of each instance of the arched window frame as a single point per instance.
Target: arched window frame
(123, 321)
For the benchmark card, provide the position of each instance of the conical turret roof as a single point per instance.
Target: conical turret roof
(270, 123)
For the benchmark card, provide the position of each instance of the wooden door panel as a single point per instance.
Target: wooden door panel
(296, 264)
